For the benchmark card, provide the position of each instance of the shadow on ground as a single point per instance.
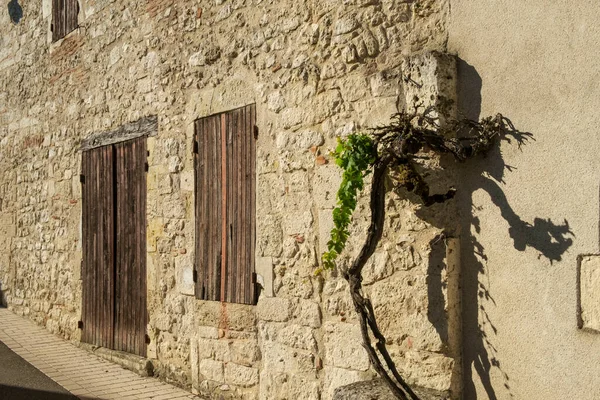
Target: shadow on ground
(20, 393)
(20, 380)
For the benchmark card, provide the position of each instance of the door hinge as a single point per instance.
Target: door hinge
(195, 275)
(146, 166)
(255, 132)
(147, 338)
(79, 324)
(196, 147)
(82, 178)
(253, 278)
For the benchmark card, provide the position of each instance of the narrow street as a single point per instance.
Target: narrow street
(20, 380)
(35, 364)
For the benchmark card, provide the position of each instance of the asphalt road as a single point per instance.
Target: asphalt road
(20, 380)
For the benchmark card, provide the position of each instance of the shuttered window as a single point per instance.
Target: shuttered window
(64, 18)
(224, 161)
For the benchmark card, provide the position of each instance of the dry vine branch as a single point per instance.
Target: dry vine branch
(397, 145)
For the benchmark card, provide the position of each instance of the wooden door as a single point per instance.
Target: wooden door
(98, 246)
(114, 313)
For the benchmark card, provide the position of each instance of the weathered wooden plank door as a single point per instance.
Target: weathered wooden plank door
(225, 206)
(114, 313)
(130, 266)
(98, 246)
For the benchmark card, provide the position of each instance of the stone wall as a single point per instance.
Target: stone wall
(316, 70)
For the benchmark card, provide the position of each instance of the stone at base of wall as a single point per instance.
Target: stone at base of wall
(132, 362)
(376, 389)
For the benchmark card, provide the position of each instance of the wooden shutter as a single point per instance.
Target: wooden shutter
(130, 266)
(225, 180)
(208, 208)
(64, 17)
(98, 246)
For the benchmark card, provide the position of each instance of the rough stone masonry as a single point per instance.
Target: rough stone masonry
(317, 70)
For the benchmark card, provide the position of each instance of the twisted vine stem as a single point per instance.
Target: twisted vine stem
(396, 146)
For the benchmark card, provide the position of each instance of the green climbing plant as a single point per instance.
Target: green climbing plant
(355, 155)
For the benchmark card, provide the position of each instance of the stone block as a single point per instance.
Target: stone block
(343, 346)
(297, 223)
(211, 369)
(374, 110)
(432, 76)
(297, 336)
(299, 141)
(340, 377)
(273, 309)
(195, 346)
(187, 180)
(308, 313)
(264, 275)
(269, 236)
(207, 332)
(204, 348)
(239, 317)
(244, 352)
(589, 292)
(278, 357)
(326, 182)
(377, 389)
(184, 268)
(280, 385)
(240, 375)
(325, 227)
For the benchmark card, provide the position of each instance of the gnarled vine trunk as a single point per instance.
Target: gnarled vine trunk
(362, 305)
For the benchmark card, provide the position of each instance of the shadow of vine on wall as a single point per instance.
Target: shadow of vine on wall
(2, 297)
(548, 238)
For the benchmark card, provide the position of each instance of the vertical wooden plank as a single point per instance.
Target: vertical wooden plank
(71, 15)
(245, 273)
(224, 183)
(198, 227)
(54, 19)
(106, 252)
(211, 217)
(216, 249)
(142, 245)
(252, 195)
(229, 183)
(62, 19)
(85, 260)
(130, 302)
(209, 207)
(205, 148)
(98, 252)
(236, 275)
(117, 298)
(97, 246)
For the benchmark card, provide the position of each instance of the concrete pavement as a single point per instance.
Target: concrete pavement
(20, 380)
(85, 375)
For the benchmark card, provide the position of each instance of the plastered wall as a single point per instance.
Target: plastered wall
(528, 213)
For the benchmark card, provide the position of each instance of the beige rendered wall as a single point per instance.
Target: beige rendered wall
(537, 63)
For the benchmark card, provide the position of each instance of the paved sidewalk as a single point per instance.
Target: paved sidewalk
(81, 373)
